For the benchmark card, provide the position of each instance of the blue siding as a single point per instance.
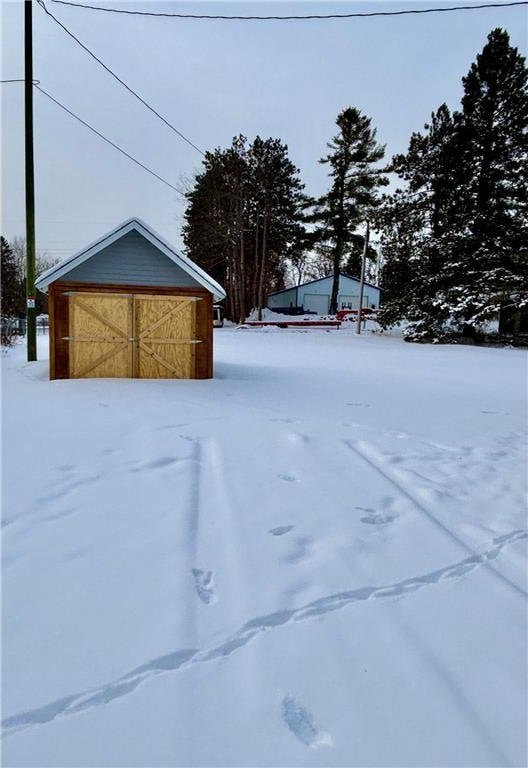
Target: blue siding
(132, 260)
(315, 295)
(282, 299)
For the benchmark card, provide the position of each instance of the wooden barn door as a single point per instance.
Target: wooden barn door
(165, 331)
(121, 336)
(100, 335)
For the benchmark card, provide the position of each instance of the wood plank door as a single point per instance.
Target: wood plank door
(100, 335)
(165, 332)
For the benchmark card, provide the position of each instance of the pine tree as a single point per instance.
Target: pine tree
(214, 226)
(352, 194)
(456, 237)
(493, 139)
(354, 256)
(401, 222)
(277, 212)
(245, 215)
(418, 224)
(13, 294)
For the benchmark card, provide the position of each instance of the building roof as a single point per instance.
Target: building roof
(67, 265)
(328, 277)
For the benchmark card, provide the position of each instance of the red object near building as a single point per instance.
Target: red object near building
(343, 314)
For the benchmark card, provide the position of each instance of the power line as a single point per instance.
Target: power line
(19, 80)
(370, 14)
(108, 141)
(119, 80)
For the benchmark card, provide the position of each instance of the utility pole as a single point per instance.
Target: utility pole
(362, 280)
(30, 184)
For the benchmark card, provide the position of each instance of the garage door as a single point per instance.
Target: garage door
(125, 335)
(316, 302)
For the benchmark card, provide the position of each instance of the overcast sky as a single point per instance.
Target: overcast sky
(213, 79)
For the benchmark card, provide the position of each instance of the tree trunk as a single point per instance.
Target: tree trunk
(335, 284)
(262, 267)
(254, 290)
(234, 283)
(242, 278)
(338, 246)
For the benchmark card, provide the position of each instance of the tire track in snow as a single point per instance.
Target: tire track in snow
(432, 663)
(226, 552)
(369, 455)
(185, 658)
(192, 524)
(58, 492)
(221, 506)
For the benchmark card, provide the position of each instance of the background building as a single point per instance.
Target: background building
(314, 296)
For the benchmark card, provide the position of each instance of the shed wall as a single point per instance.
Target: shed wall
(135, 261)
(59, 322)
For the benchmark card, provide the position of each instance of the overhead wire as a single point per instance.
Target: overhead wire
(119, 79)
(300, 17)
(108, 141)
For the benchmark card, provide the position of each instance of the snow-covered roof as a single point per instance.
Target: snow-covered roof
(64, 267)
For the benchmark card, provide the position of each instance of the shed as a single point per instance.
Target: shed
(314, 296)
(130, 306)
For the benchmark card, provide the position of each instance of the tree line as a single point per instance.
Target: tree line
(249, 221)
(452, 234)
(13, 272)
(455, 236)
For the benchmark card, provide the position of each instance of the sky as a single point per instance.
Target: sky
(212, 80)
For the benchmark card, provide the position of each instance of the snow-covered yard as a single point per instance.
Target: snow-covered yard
(315, 559)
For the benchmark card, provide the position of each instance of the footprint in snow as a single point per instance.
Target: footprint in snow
(376, 518)
(281, 530)
(303, 548)
(66, 467)
(302, 725)
(287, 478)
(204, 583)
(159, 463)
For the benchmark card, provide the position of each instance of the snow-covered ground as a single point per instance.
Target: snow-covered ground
(315, 559)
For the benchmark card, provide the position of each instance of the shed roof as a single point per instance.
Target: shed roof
(318, 280)
(67, 265)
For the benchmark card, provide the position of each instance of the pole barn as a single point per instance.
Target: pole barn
(130, 306)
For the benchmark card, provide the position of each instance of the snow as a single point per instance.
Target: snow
(316, 558)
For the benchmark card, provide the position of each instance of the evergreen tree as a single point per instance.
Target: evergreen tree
(13, 291)
(354, 257)
(214, 226)
(418, 224)
(244, 218)
(456, 238)
(400, 220)
(277, 213)
(352, 194)
(493, 139)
